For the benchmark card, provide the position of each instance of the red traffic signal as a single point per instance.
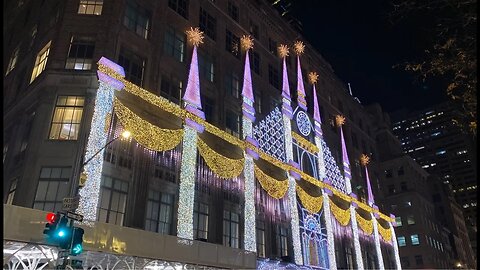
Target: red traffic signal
(51, 218)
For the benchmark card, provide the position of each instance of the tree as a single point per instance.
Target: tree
(451, 55)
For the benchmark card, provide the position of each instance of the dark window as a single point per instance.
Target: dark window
(11, 191)
(388, 173)
(206, 66)
(174, 44)
(418, 259)
(256, 62)
(272, 46)
(404, 261)
(171, 89)
(273, 77)
(137, 19)
(80, 54)
(282, 240)
(401, 171)
(391, 189)
(254, 30)
(260, 239)
(180, 6)
(232, 11)
(232, 123)
(133, 65)
(354, 140)
(200, 221)
(232, 43)
(208, 24)
(258, 103)
(159, 212)
(53, 186)
(113, 200)
(208, 108)
(403, 186)
(231, 233)
(232, 84)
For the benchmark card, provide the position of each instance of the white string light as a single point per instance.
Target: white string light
(395, 247)
(328, 224)
(356, 241)
(376, 238)
(250, 241)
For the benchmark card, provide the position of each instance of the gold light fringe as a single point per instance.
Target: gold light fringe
(274, 187)
(145, 133)
(340, 120)
(313, 77)
(364, 160)
(342, 216)
(173, 108)
(222, 166)
(108, 121)
(385, 233)
(246, 42)
(312, 204)
(283, 50)
(195, 36)
(304, 143)
(364, 224)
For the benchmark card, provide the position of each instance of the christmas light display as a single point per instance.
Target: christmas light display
(220, 165)
(328, 224)
(312, 204)
(304, 143)
(364, 224)
(378, 248)
(275, 188)
(395, 248)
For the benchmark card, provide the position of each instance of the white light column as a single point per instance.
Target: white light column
(376, 238)
(332, 261)
(395, 246)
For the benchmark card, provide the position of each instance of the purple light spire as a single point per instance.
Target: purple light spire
(371, 200)
(192, 91)
(340, 120)
(247, 91)
(300, 88)
(316, 114)
(286, 107)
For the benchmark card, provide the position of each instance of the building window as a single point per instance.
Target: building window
(388, 173)
(272, 46)
(232, 84)
(91, 7)
(41, 61)
(133, 65)
(254, 30)
(403, 186)
(256, 62)
(200, 221)
(208, 24)
(159, 212)
(391, 189)
(418, 259)
(405, 262)
(258, 103)
(401, 171)
(180, 6)
(12, 63)
(232, 43)
(232, 11)
(282, 234)
(80, 54)
(232, 123)
(53, 186)
(398, 221)
(273, 77)
(260, 239)
(208, 108)
(11, 191)
(171, 89)
(137, 19)
(415, 239)
(67, 118)
(206, 66)
(410, 220)
(401, 241)
(174, 44)
(113, 199)
(230, 229)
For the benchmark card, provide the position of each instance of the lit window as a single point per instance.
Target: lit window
(113, 200)
(13, 60)
(231, 229)
(462, 152)
(67, 118)
(401, 241)
(415, 239)
(441, 152)
(80, 54)
(53, 186)
(410, 220)
(11, 191)
(174, 44)
(232, 84)
(91, 7)
(137, 19)
(200, 221)
(180, 6)
(398, 221)
(41, 61)
(159, 212)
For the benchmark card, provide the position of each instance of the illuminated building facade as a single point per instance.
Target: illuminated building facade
(229, 164)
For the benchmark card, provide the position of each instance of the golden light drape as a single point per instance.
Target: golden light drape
(145, 133)
(364, 224)
(222, 166)
(304, 143)
(274, 187)
(311, 203)
(342, 216)
(385, 233)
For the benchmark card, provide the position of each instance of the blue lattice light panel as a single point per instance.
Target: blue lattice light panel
(332, 170)
(269, 135)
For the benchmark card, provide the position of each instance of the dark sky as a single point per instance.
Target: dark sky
(359, 41)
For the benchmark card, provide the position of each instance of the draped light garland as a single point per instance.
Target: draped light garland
(274, 187)
(341, 215)
(304, 143)
(222, 166)
(364, 224)
(145, 133)
(311, 203)
(384, 232)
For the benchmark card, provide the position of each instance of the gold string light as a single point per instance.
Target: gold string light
(283, 50)
(341, 215)
(108, 121)
(222, 166)
(304, 143)
(385, 233)
(364, 224)
(145, 133)
(246, 42)
(311, 203)
(195, 36)
(339, 120)
(299, 47)
(274, 187)
(313, 77)
(364, 160)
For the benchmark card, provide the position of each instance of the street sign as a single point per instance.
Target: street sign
(70, 203)
(74, 216)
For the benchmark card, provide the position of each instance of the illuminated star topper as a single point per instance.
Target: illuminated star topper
(283, 50)
(195, 36)
(247, 42)
(299, 47)
(313, 77)
(340, 120)
(364, 160)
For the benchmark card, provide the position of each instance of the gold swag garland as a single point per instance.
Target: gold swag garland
(342, 216)
(222, 166)
(274, 187)
(311, 203)
(364, 224)
(304, 143)
(385, 233)
(145, 133)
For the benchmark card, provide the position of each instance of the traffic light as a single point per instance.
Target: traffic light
(50, 227)
(63, 233)
(77, 241)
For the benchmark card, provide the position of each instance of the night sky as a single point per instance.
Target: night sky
(362, 44)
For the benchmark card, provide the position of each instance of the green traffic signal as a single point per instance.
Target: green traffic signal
(77, 241)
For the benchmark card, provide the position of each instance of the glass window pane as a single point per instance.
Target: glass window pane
(102, 216)
(41, 191)
(49, 207)
(56, 172)
(63, 190)
(51, 191)
(105, 198)
(45, 173)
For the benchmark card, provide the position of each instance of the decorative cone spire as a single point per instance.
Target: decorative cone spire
(286, 107)
(313, 77)
(345, 160)
(299, 49)
(364, 159)
(247, 90)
